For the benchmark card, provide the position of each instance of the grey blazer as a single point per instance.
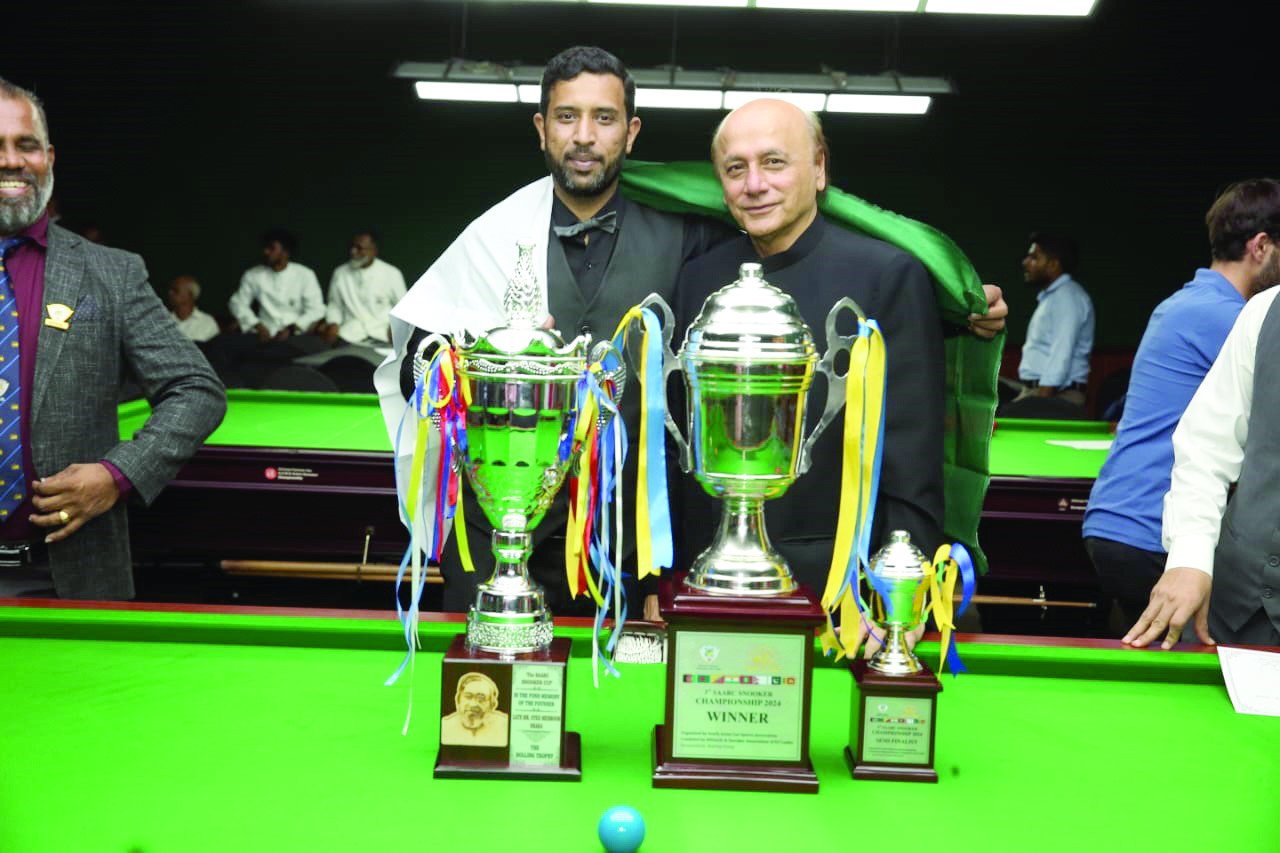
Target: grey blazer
(119, 330)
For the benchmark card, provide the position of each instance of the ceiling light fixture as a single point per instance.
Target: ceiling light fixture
(676, 88)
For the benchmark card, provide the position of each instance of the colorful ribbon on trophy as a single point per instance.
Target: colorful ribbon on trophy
(439, 402)
(859, 485)
(950, 563)
(599, 436)
(654, 548)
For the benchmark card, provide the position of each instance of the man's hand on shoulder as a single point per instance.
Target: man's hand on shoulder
(988, 325)
(1179, 595)
(73, 496)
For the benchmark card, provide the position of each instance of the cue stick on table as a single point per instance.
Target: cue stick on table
(323, 571)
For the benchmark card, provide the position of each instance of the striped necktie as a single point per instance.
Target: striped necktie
(11, 480)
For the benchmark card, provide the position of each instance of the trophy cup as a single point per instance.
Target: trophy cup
(740, 628)
(892, 733)
(521, 381)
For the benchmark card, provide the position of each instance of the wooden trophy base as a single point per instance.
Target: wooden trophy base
(503, 717)
(739, 686)
(894, 722)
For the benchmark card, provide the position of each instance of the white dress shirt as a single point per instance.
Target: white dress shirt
(360, 301)
(1208, 445)
(290, 297)
(1059, 336)
(198, 326)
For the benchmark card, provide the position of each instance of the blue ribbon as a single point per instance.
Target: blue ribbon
(968, 582)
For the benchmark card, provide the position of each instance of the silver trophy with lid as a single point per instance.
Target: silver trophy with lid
(522, 381)
(897, 575)
(748, 361)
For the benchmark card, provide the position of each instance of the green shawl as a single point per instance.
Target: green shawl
(972, 364)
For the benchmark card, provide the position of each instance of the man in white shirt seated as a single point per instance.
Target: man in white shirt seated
(362, 293)
(184, 292)
(286, 294)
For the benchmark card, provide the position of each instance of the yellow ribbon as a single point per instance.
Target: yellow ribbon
(644, 545)
(864, 400)
(584, 435)
(943, 575)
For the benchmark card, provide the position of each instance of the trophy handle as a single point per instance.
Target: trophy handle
(670, 365)
(616, 374)
(427, 349)
(836, 344)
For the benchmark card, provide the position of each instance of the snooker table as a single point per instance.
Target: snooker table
(188, 728)
(292, 477)
(1041, 475)
(288, 476)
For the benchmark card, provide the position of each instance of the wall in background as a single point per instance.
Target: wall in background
(184, 130)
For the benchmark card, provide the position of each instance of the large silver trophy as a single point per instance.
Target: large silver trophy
(748, 361)
(522, 380)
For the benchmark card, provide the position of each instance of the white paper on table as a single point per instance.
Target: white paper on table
(1253, 680)
(1082, 444)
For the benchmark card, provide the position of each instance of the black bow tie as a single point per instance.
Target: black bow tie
(605, 222)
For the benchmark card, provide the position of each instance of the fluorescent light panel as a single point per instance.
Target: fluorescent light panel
(842, 5)
(445, 90)
(1060, 8)
(718, 3)
(1064, 8)
(811, 101)
(913, 105)
(679, 99)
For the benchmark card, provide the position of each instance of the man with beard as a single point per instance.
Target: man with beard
(597, 253)
(1186, 331)
(75, 318)
(362, 293)
(476, 720)
(1055, 355)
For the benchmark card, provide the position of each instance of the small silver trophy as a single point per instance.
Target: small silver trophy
(748, 360)
(896, 575)
(522, 382)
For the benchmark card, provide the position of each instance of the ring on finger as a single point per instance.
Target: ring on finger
(64, 516)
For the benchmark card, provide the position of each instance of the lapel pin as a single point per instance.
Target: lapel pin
(59, 316)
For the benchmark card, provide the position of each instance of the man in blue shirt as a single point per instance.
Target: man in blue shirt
(1055, 356)
(1183, 337)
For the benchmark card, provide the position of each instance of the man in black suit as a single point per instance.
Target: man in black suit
(75, 319)
(771, 159)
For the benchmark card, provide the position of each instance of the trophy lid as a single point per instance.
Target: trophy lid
(521, 335)
(899, 558)
(750, 320)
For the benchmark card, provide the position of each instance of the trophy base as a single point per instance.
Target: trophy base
(739, 689)
(496, 635)
(502, 715)
(893, 726)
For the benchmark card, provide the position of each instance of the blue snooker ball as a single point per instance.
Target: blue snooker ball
(621, 829)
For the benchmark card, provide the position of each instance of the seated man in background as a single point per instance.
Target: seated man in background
(362, 293)
(1055, 356)
(183, 293)
(1182, 339)
(286, 293)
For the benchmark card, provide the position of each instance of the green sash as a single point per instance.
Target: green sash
(973, 365)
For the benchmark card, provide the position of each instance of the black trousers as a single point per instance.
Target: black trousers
(1125, 573)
